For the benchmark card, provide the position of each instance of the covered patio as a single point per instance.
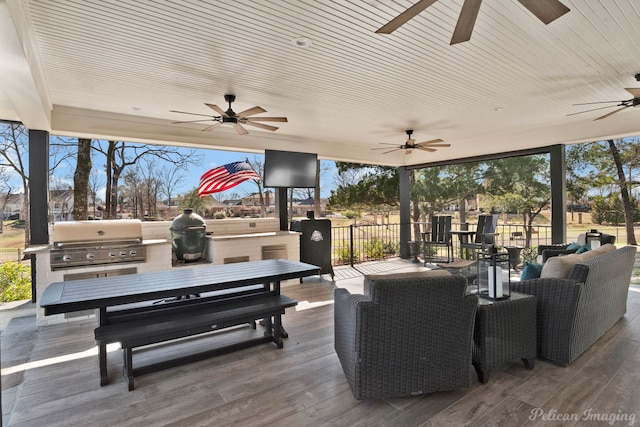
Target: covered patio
(120, 70)
(51, 378)
(128, 71)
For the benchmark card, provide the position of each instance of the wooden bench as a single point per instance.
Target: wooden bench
(142, 324)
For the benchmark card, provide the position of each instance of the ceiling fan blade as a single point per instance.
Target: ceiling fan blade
(432, 141)
(217, 109)
(267, 119)
(383, 148)
(194, 114)
(261, 125)
(408, 151)
(405, 16)
(193, 121)
(593, 109)
(240, 129)
(611, 113)
(252, 111)
(212, 127)
(391, 151)
(545, 10)
(434, 145)
(466, 21)
(634, 91)
(431, 150)
(599, 102)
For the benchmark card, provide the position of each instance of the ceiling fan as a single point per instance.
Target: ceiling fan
(545, 10)
(236, 119)
(633, 102)
(411, 144)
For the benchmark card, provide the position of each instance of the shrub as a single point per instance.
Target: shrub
(529, 254)
(219, 215)
(15, 282)
(375, 248)
(344, 255)
(391, 248)
(350, 214)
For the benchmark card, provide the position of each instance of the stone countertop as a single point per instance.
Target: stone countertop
(252, 235)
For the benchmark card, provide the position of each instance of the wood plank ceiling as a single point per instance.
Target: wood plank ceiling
(115, 69)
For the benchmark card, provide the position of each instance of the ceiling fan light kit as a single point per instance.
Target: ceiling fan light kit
(237, 120)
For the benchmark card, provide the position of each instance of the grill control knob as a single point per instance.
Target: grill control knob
(90, 256)
(112, 254)
(123, 253)
(132, 252)
(66, 257)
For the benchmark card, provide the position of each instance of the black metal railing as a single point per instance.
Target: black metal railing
(11, 254)
(354, 244)
(358, 243)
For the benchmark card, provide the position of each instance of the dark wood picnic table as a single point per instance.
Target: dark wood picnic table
(119, 291)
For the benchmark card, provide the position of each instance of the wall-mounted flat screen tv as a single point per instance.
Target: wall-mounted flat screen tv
(287, 169)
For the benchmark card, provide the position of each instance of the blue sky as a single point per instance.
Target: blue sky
(191, 176)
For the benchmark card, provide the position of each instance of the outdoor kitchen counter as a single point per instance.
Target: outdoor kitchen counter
(223, 248)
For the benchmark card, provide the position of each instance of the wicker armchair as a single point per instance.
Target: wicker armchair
(407, 336)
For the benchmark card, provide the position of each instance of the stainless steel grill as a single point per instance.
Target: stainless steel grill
(84, 243)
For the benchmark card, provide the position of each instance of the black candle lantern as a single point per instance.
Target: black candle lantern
(593, 238)
(493, 274)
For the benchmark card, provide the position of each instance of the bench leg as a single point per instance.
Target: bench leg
(268, 331)
(102, 360)
(277, 329)
(268, 326)
(128, 366)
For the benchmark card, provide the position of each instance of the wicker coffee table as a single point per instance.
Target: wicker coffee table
(504, 330)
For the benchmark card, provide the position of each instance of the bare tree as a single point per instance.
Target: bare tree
(81, 180)
(258, 165)
(94, 186)
(133, 190)
(170, 178)
(121, 154)
(151, 186)
(5, 190)
(14, 145)
(625, 185)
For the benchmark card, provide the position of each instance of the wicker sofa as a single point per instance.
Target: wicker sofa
(547, 251)
(579, 301)
(406, 335)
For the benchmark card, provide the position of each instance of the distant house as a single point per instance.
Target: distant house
(253, 199)
(302, 206)
(61, 205)
(13, 204)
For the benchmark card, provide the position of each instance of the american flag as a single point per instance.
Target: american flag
(225, 177)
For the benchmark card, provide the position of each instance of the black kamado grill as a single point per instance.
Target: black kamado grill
(188, 236)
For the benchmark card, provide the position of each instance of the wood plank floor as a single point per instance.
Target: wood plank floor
(50, 378)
